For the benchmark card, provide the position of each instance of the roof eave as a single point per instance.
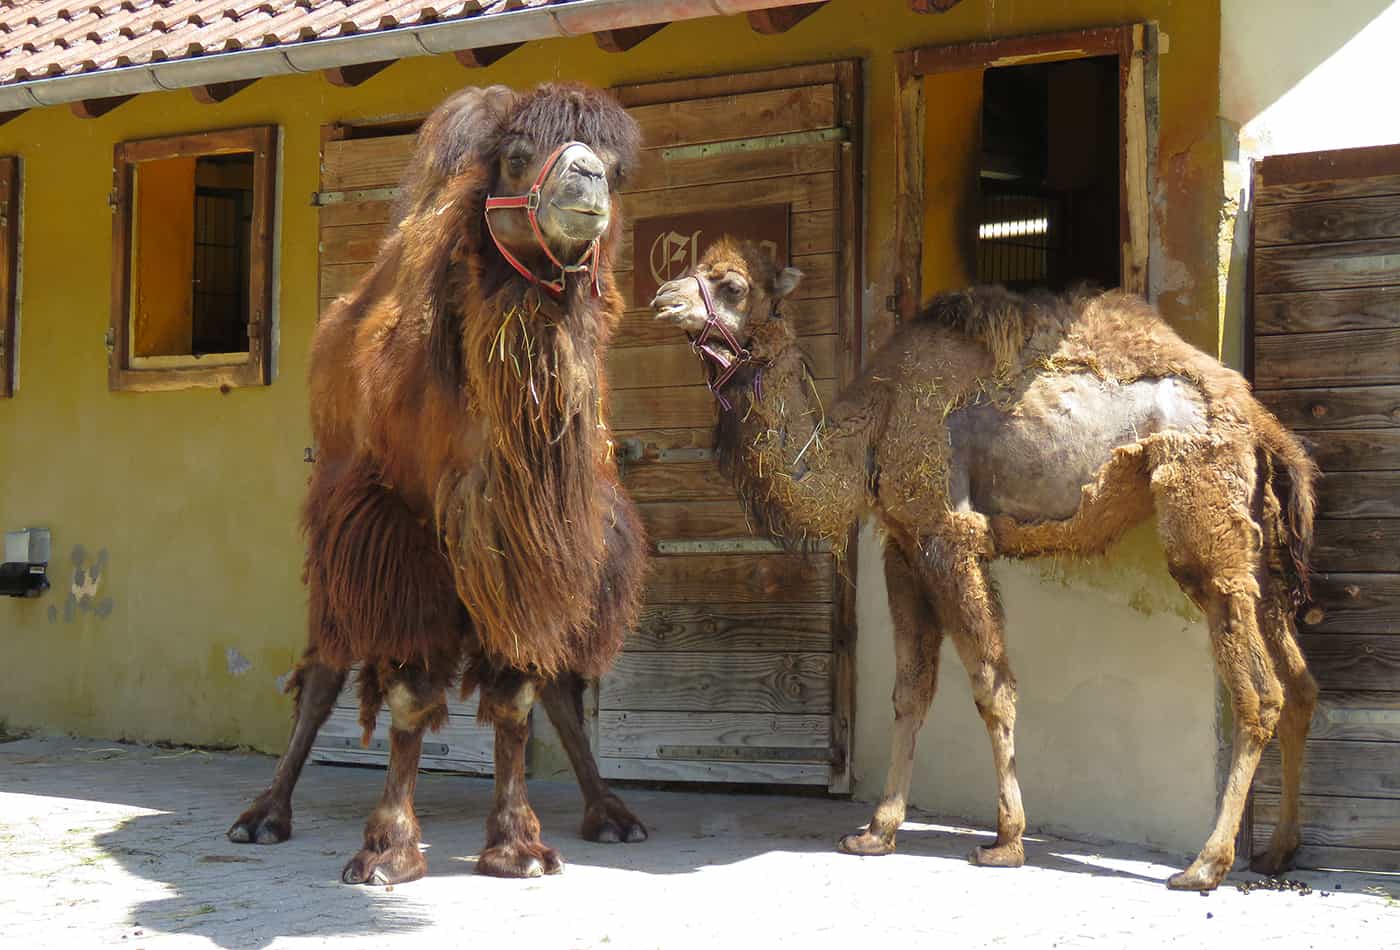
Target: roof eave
(516, 26)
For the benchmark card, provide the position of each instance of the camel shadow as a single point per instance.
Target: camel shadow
(179, 874)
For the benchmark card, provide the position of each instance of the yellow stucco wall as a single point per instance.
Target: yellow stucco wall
(177, 511)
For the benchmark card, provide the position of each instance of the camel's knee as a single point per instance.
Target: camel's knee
(994, 692)
(1302, 690)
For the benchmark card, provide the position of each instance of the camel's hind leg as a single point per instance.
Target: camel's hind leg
(1211, 535)
(916, 644)
(605, 817)
(417, 703)
(1299, 689)
(268, 820)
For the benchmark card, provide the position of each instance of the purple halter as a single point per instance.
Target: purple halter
(726, 366)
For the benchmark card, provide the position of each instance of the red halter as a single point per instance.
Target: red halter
(726, 366)
(588, 260)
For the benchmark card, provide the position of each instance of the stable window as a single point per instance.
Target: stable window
(9, 271)
(192, 260)
(1028, 167)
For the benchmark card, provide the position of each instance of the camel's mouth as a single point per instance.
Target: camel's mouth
(672, 311)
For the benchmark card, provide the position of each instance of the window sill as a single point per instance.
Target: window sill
(164, 373)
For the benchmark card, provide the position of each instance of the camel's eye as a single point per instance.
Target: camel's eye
(734, 286)
(518, 159)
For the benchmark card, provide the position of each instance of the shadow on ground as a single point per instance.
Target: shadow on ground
(195, 882)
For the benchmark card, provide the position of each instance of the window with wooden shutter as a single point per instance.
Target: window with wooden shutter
(1325, 351)
(9, 273)
(192, 260)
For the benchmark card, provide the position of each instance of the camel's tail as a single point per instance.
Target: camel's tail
(1296, 495)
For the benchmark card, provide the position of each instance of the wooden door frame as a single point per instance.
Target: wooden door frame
(846, 76)
(1127, 41)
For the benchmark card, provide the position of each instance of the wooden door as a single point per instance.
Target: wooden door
(360, 171)
(1325, 316)
(740, 670)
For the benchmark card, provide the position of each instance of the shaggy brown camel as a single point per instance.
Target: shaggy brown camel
(465, 516)
(1005, 425)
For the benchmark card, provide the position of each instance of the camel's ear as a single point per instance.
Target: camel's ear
(786, 282)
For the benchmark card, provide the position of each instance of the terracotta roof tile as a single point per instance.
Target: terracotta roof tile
(62, 37)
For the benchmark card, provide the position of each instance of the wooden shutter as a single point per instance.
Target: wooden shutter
(740, 669)
(1325, 317)
(9, 271)
(359, 181)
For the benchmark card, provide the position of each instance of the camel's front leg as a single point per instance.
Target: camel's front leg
(390, 854)
(965, 597)
(605, 817)
(268, 820)
(513, 846)
(916, 644)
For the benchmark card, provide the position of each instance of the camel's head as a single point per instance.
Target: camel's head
(745, 287)
(571, 145)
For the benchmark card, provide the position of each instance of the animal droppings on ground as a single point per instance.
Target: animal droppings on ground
(1273, 884)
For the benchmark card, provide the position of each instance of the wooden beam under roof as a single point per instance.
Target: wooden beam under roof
(217, 92)
(96, 108)
(349, 76)
(621, 40)
(485, 55)
(782, 19)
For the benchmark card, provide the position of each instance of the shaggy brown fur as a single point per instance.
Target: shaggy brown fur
(1005, 425)
(465, 515)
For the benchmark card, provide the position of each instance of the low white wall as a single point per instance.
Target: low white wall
(1116, 732)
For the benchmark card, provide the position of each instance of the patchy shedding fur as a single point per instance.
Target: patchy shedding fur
(984, 400)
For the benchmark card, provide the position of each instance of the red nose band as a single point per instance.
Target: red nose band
(530, 201)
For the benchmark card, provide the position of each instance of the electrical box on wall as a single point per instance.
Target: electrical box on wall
(25, 570)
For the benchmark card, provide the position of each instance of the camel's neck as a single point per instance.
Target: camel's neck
(801, 470)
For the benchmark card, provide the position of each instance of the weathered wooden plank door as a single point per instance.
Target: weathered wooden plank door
(741, 668)
(1325, 298)
(360, 171)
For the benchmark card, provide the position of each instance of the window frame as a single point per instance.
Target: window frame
(11, 211)
(1129, 42)
(126, 372)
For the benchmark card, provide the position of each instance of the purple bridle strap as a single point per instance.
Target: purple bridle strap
(726, 366)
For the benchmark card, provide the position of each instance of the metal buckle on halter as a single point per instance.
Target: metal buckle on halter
(530, 202)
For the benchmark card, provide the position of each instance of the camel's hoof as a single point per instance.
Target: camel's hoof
(866, 844)
(397, 865)
(519, 860)
(1272, 863)
(999, 856)
(265, 822)
(1198, 877)
(609, 821)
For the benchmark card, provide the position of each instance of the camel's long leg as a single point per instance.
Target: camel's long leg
(1212, 541)
(1299, 689)
(965, 598)
(605, 817)
(390, 854)
(268, 819)
(513, 846)
(917, 639)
